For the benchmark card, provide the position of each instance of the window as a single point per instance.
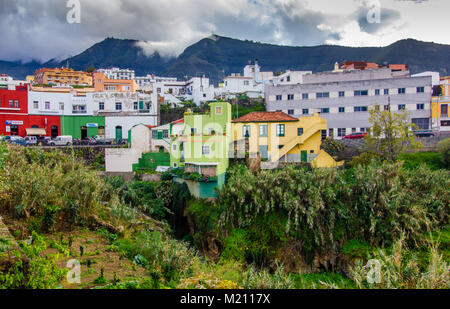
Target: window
(110, 88)
(280, 130)
(341, 109)
(331, 132)
(361, 93)
(325, 110)
(444, 110)
(305, 111)
(16, 103)
(174, 147)
(219, 110)
(421, 123)
(288, 79)
(279, 97)
(360, 109)
(386, 108)
(290, 97)
(401, 107)
(377, 91)
(35, 104)
(290, 111)
(341, 94)
(246, 131)
(135, 106)
(193, 131)
(11, 103)
(342, 132)
(61, 106)
(154, 134)
(420, 106)
(322, 95)
(386, 91)
(445, 123)
(206, 150)
(47, 105)
(263, 130)
(299, 131)
(101, 106)
(401, 90)
(305, 96)
(324, 135)
(420, 89)
(118, 106)
(353, 130)
(166, 134)
(246, 83)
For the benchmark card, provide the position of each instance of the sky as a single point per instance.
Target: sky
(41, 30)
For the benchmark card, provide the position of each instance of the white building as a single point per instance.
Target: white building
(125, 110)
(117, 73)
(59, 103)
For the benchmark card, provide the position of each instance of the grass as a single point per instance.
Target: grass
(433, 160)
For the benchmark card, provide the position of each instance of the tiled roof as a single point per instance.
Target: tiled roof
(178, 121)
(266, 117)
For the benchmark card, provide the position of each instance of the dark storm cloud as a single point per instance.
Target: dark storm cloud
(37, 29)
(387, 18)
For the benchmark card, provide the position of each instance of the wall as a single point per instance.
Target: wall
(121, 160)
(126, 122)
(71, 125)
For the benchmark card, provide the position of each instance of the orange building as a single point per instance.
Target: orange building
(362, 65)
(64, 76)
(103, 83)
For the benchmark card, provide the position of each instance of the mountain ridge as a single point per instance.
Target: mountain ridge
(218, 56)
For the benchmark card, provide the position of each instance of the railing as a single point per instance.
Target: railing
(79, 112)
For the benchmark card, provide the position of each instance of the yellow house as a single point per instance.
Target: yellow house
(439, 107)
(62, 76)
(278, 137)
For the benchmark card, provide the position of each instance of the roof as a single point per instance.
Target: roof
(266, 117)
(178, 121)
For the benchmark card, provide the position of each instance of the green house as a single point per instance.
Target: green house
(202, 147)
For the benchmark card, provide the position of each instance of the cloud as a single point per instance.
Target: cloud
(37, 29)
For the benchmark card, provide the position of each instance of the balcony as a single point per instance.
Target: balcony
(79, 112)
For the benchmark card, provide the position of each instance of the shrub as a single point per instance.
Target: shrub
(444, 148)
(332, 147)
(32, 270)
(400, 270)
(413, 160)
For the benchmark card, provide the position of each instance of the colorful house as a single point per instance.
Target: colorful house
(278, 137)
(440, 119)
(202, 147)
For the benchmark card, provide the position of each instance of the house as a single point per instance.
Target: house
(202, 148)
(140, 156)
(278, 137)
(103, 83)
(440, 118)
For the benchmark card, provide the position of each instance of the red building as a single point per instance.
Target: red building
(14, 118)
(14, 110)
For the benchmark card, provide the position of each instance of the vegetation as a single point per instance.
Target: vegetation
(390, 135)
(286, 228)
(444, 148)
(332, 147)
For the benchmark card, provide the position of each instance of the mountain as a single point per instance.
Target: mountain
(218, 56)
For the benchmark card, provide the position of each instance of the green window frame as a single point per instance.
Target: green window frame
(246, 131)
(281, 130)
(263, 130)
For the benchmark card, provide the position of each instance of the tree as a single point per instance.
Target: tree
(390, 134)
(444, 148)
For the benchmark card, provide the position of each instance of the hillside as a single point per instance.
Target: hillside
(218, 56)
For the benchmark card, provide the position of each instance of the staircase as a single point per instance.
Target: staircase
(150, 161)
(298, 140)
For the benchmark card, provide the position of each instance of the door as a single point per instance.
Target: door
(118, 133)
(54, 131)
(160, 135)
(304, 156)
(14, 130)
(444, 110)
(84, 133)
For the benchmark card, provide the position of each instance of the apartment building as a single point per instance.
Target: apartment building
(62, 76)
(344, 98)
(117, 73)
(103, 83)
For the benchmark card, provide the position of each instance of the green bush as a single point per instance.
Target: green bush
(444, 149)
(332, 147)
(31, 269)
(412, 161)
